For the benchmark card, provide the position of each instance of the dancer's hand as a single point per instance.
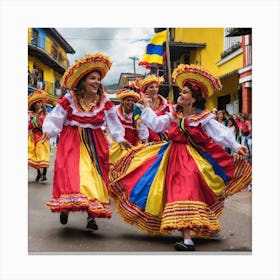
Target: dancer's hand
(147, 101)
(243, 151)
(45, 137)
(125, 145)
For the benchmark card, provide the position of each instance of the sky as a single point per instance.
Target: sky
(118, 43)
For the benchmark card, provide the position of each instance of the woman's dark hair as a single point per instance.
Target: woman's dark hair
(197, 94)
(80, 83)
(32, 107)
(234, 124)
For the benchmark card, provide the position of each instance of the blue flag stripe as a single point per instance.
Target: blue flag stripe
(154, 49)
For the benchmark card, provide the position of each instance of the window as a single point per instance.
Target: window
(35, 36)
(223, 101)
(54, 52)
(231, 41)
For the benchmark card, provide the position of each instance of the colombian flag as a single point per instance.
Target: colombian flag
(154, 50)
(136, 114)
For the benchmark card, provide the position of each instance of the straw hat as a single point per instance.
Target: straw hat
(128, 93)
(195, 75)
(87, 64)
(148, 80)
(37, 95)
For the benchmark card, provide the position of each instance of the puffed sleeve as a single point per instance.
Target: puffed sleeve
(114, 126)
(221, 134)
(157, 123)
(143, 132)
(54, 121)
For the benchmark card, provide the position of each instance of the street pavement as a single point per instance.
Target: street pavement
(47, 236)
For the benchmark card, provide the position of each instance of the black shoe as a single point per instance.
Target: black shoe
(43, 178)
(63, 218)
(38, 177)
(181, 246)
(91, 224)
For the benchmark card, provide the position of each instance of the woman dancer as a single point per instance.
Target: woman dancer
(82, 158)
(181, 184)
(38, 152)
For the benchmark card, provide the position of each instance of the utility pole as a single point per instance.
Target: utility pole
(134, 58)
(170, 87)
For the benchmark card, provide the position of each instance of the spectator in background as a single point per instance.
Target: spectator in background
(40, 83)
(33, 77)
(226, 116)
(249, 143)
(214, 112)
(235, 131)
(221, 118)
(249, 138)
(244, 129)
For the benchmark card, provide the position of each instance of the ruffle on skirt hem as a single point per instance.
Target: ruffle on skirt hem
(39, 164)
(79, 202)
(134, 215)
(241, 179)
(193, 215)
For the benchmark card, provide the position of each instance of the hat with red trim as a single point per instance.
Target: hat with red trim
(37, 95)
(87, 64)
(197, 76)
(148, 80)
(128, 93)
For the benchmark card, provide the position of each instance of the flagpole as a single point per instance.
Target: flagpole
(170, 89)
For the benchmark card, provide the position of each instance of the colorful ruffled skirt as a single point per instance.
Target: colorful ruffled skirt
(81, 173)
(168, 186)
(38, 152)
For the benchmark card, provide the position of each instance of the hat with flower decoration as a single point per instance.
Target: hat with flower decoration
(148, 80)
(37, 95)
(87, 64)
(128, 93)
(197, 76)
(134, 84)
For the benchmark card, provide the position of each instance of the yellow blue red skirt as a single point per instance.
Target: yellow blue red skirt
(166, 186)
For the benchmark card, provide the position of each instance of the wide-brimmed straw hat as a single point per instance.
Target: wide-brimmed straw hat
(87, 64)
(37, 95)
(195, 75)
(128, 93)
(148, 80)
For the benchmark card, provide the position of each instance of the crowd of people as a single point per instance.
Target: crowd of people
(241, 125)
(167, 167)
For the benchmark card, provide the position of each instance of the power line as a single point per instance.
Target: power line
(105, 39)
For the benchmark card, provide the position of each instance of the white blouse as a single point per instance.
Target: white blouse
(57, 118)
(221, 134)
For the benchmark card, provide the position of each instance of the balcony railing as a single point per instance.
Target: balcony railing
(47, 86)
(231, 49)
(51, 49)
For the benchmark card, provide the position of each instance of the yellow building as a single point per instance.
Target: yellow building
(220, 52)
(47, 61)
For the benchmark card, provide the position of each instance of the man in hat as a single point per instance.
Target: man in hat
(135, 132)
